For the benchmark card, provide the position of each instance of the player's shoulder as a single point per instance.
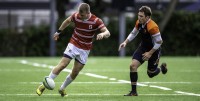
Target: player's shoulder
(151, 24)
(96, 19)
(93, 17)
(152, 27)
(73, 16)
(137, 24)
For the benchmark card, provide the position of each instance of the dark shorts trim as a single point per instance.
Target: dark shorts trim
(79, 62)
(67, 56)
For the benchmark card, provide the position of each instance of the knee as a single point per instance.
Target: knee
(133, 68)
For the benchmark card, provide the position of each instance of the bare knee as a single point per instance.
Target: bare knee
(133, 68)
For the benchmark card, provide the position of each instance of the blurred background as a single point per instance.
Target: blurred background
(27, 26)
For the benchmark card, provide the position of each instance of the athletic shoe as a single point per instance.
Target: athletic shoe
(151, 74)
(163, 68)
(131, 94)
(40, 89)
(62, 92)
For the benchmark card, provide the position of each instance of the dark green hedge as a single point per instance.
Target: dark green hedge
(181, 37)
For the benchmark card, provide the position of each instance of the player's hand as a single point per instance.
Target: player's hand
(56, 36)
(146, 56)
(122, 45)
(99, 36)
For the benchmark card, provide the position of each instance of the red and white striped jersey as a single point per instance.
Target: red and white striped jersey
(84, 31)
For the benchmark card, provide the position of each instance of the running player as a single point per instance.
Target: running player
(148, 50)
(86, 24)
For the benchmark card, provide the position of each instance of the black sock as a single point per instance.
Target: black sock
(134, 78)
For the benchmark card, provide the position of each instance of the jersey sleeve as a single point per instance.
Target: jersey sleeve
(100, 23)
(153, 28)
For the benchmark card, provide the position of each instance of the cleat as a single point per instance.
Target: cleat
(40, 89)
(151, 74)
(163, 68)
(131, 94)
(62, 93)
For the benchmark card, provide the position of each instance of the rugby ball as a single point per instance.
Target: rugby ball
(49, 83)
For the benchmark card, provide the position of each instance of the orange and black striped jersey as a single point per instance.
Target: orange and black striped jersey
(147, 31)
(85, 30)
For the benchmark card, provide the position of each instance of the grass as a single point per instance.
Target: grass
(18, 81)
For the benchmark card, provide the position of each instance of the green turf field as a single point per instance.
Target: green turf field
(102, 79)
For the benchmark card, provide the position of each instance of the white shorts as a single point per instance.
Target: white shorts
(76, 53)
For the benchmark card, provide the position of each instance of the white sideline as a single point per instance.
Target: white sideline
(105, 77)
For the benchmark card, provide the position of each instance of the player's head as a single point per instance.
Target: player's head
(144, 14)
(84, 10)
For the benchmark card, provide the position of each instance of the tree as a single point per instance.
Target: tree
(167, 15)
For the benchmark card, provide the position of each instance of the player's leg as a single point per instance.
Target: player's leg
(80, 60)
(61, 65)
(136, 62)
(53, 74)
(133, 77)
(68, 55)
(153, 69)
(75, 71)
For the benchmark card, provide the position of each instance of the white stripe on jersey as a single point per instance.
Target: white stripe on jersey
(83, 35)
(81, 41)
(100, 26)
(86, 21)
(86, 29)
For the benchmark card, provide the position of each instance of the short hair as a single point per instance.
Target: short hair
(84, 7)
(146, 10)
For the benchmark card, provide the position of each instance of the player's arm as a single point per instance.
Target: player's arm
(65, 23)
(104, 33)
(130, 37)
(157, 43)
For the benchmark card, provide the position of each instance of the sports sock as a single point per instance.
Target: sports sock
(134, 78)
(66, 82)
(52, 75)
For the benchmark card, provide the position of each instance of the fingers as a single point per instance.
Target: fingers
(55, 37)
(145, 57)
(99, 37)
(121, 46)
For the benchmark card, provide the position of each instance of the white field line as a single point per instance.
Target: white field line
(163, 88)
(99, 76)
(187, 93)
(168, 82)
(75, 83)
(96, 76)
(125, 81)
(118, 82)
(94, 94)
